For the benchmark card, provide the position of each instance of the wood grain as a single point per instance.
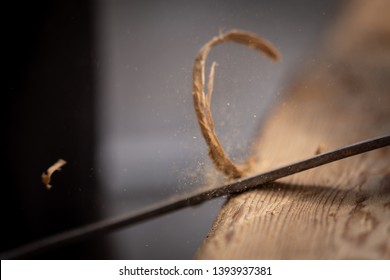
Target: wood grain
(341, 210)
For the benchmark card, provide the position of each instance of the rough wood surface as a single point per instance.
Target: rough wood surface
(338, 211)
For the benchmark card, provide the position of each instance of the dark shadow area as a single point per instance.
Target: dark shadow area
(49, 113)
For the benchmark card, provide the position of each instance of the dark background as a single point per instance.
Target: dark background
(49, 113)
(106, 85)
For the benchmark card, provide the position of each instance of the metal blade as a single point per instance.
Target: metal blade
(194, 198)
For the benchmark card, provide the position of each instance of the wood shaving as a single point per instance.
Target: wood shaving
(202, 101)
(46, 176)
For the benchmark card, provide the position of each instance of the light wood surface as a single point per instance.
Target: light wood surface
(341, 210)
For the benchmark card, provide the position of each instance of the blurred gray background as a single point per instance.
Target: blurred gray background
(149, 142)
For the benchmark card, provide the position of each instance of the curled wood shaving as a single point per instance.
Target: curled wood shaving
(202, 101)
(46, 176)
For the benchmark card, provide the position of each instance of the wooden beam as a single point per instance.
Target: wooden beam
(338, 211)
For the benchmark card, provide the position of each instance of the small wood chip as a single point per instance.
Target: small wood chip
(46, 176)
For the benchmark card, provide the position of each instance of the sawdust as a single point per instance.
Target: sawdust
(202, 101)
